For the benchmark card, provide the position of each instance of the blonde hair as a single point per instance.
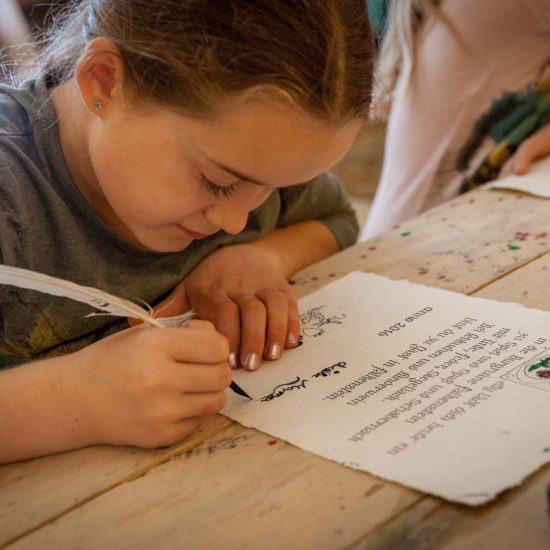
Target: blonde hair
(396, 55)
(189, 54)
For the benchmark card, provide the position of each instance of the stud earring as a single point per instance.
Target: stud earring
(98, 105)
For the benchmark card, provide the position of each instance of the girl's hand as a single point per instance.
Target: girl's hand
(152, 387)
(534, 148)
(241, 290)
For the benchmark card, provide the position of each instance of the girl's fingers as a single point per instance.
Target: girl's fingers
(194, 343)
(253, 327)
(293, 324)
(202, 378)
(196, 405)
(227, 319)
(277, 309)
(269, 323)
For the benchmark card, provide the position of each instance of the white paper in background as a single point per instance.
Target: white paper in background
(536, 181)
(442, 392)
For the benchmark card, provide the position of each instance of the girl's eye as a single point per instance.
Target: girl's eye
(225, 190)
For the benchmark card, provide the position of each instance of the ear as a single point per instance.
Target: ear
(99, 75)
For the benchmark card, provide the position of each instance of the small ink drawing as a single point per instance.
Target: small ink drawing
(313, 320)
(283, 388)
(333, 369)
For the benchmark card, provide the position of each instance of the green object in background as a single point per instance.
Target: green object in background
(511, 119)
(378, 16)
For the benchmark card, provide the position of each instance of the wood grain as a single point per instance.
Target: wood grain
(232, 487)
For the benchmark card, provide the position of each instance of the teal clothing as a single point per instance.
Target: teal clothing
(46, 225)
(378, 16)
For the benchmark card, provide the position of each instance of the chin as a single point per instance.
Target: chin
(163, 246)
(167, 248)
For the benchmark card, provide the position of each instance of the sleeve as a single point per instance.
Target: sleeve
(10, 227)
(324, 200)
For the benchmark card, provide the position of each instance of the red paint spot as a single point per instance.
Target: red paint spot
(540, 236)
(521, 236)
(272, 442)
(363, 256)
(372, 247)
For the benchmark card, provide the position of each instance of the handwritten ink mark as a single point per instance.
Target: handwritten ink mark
(327, 371)
(223, 443)
(283, 388)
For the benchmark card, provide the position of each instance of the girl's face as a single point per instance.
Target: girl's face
(161, 179)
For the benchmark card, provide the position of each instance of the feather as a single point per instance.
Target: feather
(108, 304)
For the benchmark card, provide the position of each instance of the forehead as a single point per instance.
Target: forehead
(274, 140)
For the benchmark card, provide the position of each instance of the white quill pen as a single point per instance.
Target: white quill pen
(108, 304)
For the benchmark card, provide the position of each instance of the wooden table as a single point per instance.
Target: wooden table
(232, 487)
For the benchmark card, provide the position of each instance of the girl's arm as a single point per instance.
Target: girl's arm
(142, 386)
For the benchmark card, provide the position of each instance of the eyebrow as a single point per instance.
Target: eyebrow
(240, 175)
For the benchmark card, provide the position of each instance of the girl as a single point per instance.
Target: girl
(159, 142)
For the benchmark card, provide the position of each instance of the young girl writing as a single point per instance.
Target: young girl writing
(168, 151)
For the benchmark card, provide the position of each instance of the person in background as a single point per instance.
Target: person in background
(464, 85)
(15, 35)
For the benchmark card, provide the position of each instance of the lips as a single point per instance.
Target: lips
(192, 234)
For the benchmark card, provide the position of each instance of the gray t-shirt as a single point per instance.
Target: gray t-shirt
(46, 225)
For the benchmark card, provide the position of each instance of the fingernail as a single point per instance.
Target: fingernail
(291, 340)
(232, 360)
(273, 351)
(252, 361)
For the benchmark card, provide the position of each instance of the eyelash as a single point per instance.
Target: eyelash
(217, 190)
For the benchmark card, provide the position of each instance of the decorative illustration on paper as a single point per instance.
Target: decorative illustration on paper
(314, 321)
(534, 372)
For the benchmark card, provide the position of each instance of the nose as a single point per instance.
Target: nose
(229, 215)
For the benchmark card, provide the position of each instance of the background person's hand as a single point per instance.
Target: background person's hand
(533, 148)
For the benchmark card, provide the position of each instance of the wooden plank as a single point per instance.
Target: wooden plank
(459, 246)
(518, 518)
(37, 491)
(242, 489)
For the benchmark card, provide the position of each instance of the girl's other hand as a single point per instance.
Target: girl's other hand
(241, 290)
(534, 148)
